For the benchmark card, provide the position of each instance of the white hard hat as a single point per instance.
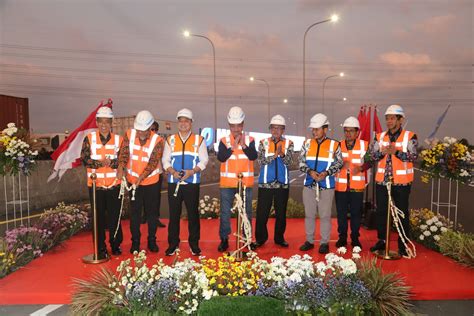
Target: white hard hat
(236, 115)
(104, 111)
(143, 121)
(278, 120)
(185, 113)
(351, 122)
(318, 120)
(395, 109)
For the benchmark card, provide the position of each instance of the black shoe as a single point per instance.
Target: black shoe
(307, 246)
(380, 245)
(356, 243)
(341, 242)
(324, 248)
(195, 251)
(171, 250)
(116, 251)
(283, 243)
(152, 246)
(160, 224)
(102, 254)
(135, 247)
(224, 245)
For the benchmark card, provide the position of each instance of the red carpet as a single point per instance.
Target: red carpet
(47, 280)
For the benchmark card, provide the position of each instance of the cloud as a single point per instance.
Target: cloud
(405, 59)
(436, 25)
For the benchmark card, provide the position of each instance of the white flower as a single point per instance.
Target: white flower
(10, 125)
(422, 237)
(427, 233)
(355, 255)
(341, 250)
(423, 227)
(436, 237)
(443, 229)
(434, 228)
(429, 222)
(356, 249)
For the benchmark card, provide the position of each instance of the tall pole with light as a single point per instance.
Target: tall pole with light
(187, 34)
(268, 93)
(332, 114)
(334, 18)
(324, 84)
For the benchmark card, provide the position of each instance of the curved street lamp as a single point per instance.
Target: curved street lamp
(187, 34)
(333, 18)
(324, 84)
(332, 114)
(268, 93)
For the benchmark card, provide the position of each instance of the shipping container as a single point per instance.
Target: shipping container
(14, 110)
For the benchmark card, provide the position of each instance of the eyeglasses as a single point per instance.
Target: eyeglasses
(153, 129)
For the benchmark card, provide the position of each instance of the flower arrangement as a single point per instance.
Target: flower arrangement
(23, 244)
(449, 158)
(15, 153)
(428, 227)
(209, 208)
(180, 288)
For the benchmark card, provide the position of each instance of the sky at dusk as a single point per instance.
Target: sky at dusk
(67, 55)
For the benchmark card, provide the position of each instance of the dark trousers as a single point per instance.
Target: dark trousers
(189, 194)
(279, 199)
(400, 195)
(158, 197)
(145, 197)
(108, 211)
(349, 202)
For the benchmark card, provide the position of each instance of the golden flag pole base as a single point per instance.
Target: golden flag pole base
(387, 254)
(94, 258)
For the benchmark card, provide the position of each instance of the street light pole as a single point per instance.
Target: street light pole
(333, 18)
(268, 93)
(188, 34)
(332, 114)
(324, 85)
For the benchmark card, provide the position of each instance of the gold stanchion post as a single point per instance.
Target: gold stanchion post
(239, 254)
(387, 254)
(94, 258)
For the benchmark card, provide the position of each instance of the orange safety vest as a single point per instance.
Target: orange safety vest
(140, 156)
(105, 175)
(237, 163)
(353, 157)
(402, 171)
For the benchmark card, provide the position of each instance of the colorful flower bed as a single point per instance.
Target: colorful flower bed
(23, 244)
(448, 158)
(336, 285)
(15, 153)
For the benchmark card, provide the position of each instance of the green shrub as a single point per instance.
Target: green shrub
(241, 305)
(459, 246)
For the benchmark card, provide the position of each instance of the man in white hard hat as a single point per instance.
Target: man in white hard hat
(236, 153)
(99, 155)
(395, 151)
(275, 154)
(350, 183)
(140, 157)
(184, 158)
(320, 160)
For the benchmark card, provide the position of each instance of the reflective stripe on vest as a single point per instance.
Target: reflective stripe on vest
(185, 156)
(105, 175)
(353, 157)
(402, 171)
(276, 170)
(319, 157)
(237, 163)
(139, 158)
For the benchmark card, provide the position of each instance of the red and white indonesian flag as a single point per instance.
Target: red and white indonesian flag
(68, 154)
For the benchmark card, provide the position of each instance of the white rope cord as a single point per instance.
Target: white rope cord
(246, 237)
(317, 191)
(175, 194)
(396, 214)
